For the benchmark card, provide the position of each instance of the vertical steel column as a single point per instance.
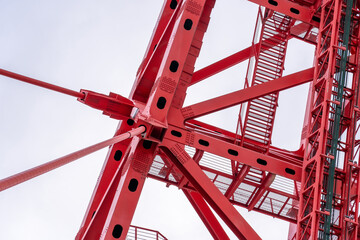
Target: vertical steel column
(329, 177)
(342, 75)
(311, 195)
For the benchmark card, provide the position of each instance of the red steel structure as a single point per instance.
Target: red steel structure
(316, 188)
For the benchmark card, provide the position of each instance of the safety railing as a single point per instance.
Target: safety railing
(140, 233)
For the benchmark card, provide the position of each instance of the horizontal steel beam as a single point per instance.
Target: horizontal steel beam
(243, 95)
(240, 56)
(291, 9)
(288, 169)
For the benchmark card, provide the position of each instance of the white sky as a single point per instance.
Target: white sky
(98, 45)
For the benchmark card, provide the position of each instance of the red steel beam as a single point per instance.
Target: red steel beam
(239, 57)
(209, 191)
(112, 218)
(223, 64)
(117, 152)
(237, 181)
(243, 95)
(159, 42)
(41, 84)
(196, 200)
(197, 157)
(230, 136)
(180, 48)
(114, 105)
(97, 212)
(206, 215)
(269, 179)
(288, 169)
(105, 187)
(154, 70)
(291, 9)
(162, 25)
(49, 166)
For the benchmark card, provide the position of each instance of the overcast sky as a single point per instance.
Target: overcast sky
(98, 45)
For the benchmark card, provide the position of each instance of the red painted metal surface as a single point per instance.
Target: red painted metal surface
(328, 207)
(258, 122)
(41, 83)
(220, 169)
(246, 94)
(59, 162)
(206, 215)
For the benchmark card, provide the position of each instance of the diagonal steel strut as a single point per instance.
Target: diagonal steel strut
(209, 191)
(49, 166)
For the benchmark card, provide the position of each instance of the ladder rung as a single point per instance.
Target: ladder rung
(280, 18)
(257, 132)
(258, 124)
(274, 47)
(277, 39)
(275, 62)
(271, 42)
(273, 32)
(271, 53)
(253, 108)
(267, 74)
(270, 63)
(270, 97)
(262, 80)
(271, 105)
(260, 117)
(270, 68)
(264, 141)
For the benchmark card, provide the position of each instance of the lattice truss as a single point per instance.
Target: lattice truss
(315, 188)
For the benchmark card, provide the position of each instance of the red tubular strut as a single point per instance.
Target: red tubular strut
(114, 105)
(46, 167)
(41, 83)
